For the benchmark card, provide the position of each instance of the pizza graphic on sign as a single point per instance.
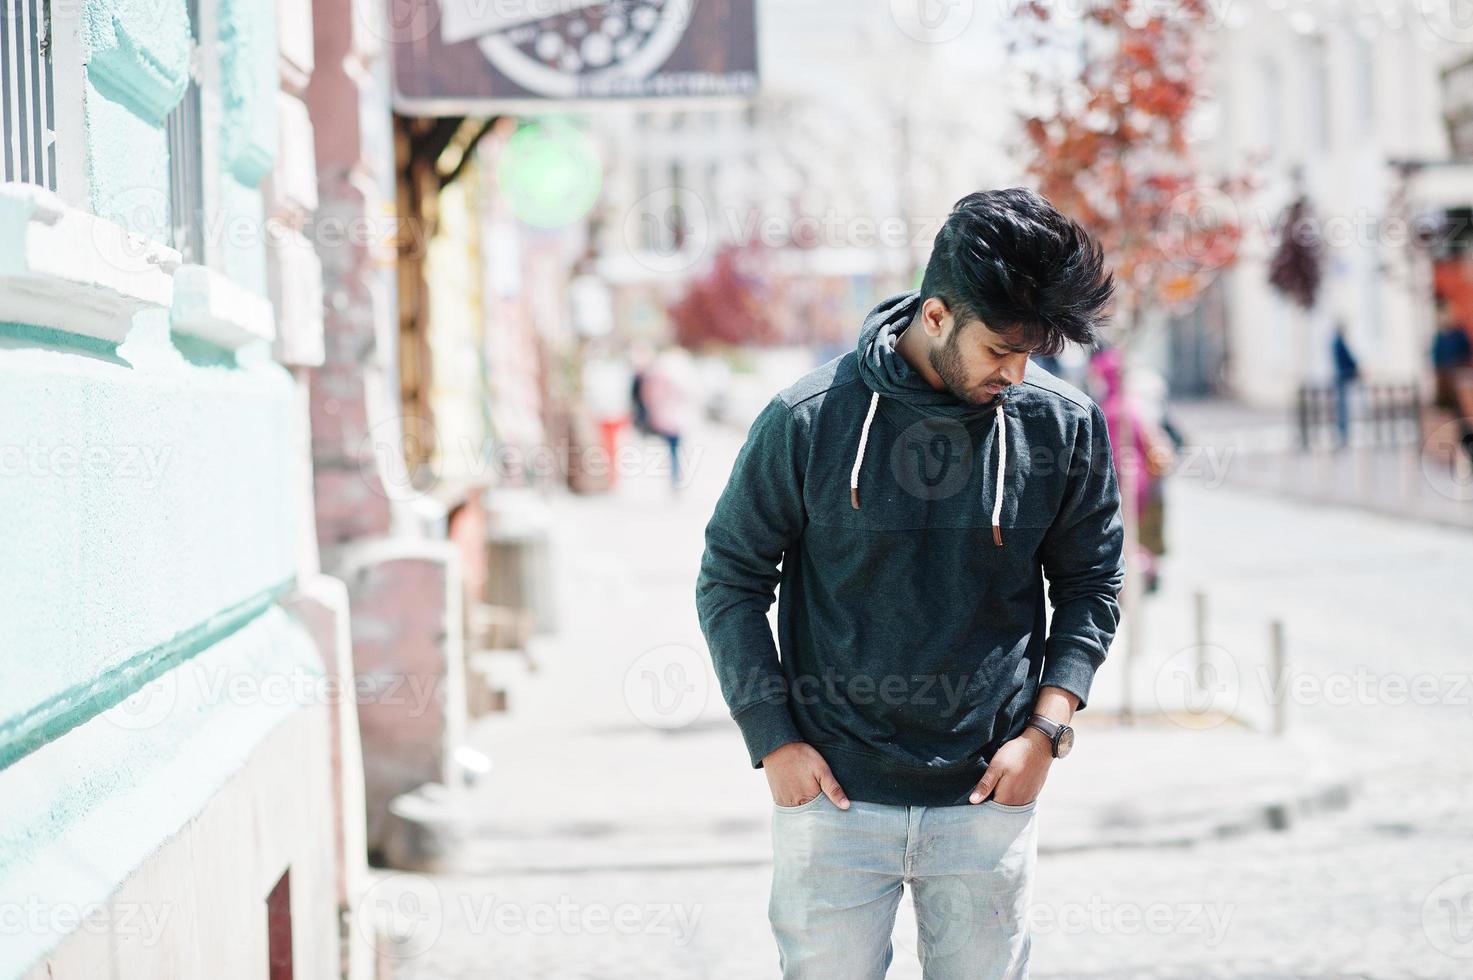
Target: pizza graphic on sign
(570, 48)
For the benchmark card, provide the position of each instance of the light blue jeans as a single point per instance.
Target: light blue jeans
(837, 878)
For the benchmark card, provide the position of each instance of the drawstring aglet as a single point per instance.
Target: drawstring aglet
(854, 497)
(997, 535)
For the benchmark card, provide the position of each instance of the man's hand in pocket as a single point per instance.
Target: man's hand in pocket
(796, 774)
(1016, 772)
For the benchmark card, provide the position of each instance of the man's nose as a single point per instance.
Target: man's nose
(1013, 367)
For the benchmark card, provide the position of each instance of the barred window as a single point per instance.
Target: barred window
(27, 99)
(186, 172)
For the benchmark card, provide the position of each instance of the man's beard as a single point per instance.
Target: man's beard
(947, 363)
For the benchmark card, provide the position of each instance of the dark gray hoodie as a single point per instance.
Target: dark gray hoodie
(913, 531)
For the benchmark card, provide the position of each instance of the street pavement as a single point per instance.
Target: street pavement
(621, 832)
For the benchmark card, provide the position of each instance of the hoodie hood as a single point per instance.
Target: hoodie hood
(887, 373)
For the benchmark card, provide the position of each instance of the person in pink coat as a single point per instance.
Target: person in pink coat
(1148, 456)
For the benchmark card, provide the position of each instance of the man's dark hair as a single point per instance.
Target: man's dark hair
(1010, 259)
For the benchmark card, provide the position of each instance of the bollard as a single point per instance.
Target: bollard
(1199, 622)
(1278, 672)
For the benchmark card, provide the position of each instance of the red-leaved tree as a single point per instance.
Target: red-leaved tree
(725, 306)
(1106, 138)
(1106, 127)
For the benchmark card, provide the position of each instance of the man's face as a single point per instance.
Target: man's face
(976, 363)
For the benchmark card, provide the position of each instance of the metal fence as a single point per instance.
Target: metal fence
(1377, 414)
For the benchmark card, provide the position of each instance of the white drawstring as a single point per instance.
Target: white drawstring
(874, 399)
(1002, 466)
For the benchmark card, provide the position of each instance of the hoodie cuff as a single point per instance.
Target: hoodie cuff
(766, 725)
(1071, 669)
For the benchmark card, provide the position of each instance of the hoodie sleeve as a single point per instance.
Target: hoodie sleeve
(758, 517)
(1083, 558)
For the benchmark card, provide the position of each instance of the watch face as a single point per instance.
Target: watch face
(1065, 743)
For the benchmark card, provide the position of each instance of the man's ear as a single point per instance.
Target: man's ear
(934, 313)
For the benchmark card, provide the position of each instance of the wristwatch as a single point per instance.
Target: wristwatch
(1061, 736)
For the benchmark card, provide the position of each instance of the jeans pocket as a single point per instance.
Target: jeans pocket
(1011, 807)
(801, 806)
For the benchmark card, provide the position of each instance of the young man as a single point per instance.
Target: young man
(916, 491)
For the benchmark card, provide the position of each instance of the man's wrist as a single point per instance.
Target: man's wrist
(1039, 739)
(1056, 704)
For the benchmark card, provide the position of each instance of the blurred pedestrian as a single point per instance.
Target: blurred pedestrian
(1150, 456)
(1347, 372)
(1452, 367)
(669, 393)
(640, 357)
(606, 379)
(1451, 356)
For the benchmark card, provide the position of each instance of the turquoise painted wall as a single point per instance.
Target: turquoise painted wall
(146, 501)
(137, 58)
(146, 491)
(248, 134)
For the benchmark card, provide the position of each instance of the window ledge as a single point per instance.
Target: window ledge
(61, 267)
(211, 307)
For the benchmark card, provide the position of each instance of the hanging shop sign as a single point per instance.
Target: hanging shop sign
(479, 57)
